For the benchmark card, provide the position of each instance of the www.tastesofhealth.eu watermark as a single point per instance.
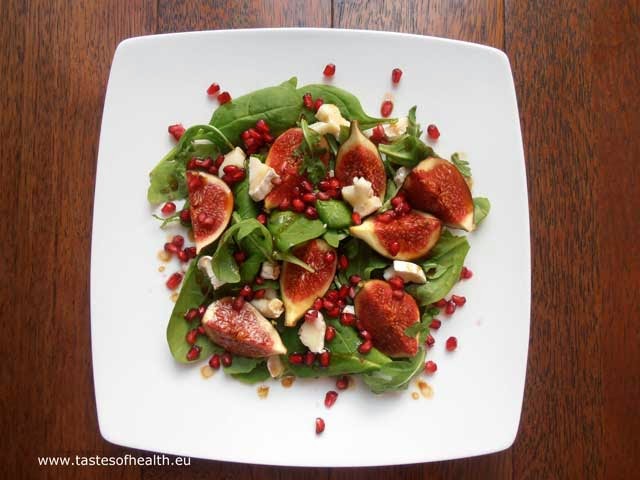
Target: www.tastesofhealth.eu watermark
(107, 461)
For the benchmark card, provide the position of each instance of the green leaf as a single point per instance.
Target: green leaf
(461, 165)
(417, 328)
(290, 258)
(349, 105)
(434, 270)
(312, 165)
(413, 128)
(334, 213)
(257, 375)
(481, 208)
(279, 106)
(191, 296)
(363, 260)
(334, 237)
(407, 151)
(449, 253)
(167, 180)
(290, 229)
(242, 365)
(395, 375)
(243, 203)
(391, 191)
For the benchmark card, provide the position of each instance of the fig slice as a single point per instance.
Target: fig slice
(300, 287)
(359, 157)
(386, 318)
(406, 237)
(211, 205)
(437, 187)
(245, 332)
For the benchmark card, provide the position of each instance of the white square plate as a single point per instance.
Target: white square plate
(146, 400)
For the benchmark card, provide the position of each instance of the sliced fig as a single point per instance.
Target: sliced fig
(406, 237)
(437, 187)
(211, 204)
(245, 332)
(386, 318)
(300, 287)
(359, 157)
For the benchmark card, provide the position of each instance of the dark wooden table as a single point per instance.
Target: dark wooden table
(576, 67)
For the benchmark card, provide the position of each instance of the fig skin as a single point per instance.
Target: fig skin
(386, 318)
(359, 157)
(246, 333)
(437, 187)
(213, 198)
(416, 233)
(299, 287)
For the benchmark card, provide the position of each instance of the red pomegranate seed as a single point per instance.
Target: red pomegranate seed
(311, 213)
(317, 304)
(262, 218)
(450, 308)
(356, 218)
(227, 359)
(259, 280)
(430, 367)
(430, 341)
(452, 344)
(343, 262)
(458, 300)
(262, 126)
(191, 314)
(347, 319)
(214, 361)
(365, 347)
(352, 292)
(306, 186)
(192, 336)
(176, 130)
(224, 97)
(319, 426)
(322, 196)
(432, 132)
(317, 104)
(268, 138)
(284, 204)
(297, 205)
(324, 185)
(330, 398)
(328, 304)
(240, 256)
(310, 315)
(213, 89)
(330, 256)
(378, 135)
(168, 208)
(174, 280)
(213, 170)
(342, 383)
(365, 334)
(355, 279)
(397, 294)
(178, 240)
(191, 251)
(183, 256)
(435, 324)
(246, 291)
(396, 282)
(238, 303)
(309, 358)
(385, 217)
(185, 215)
(201, 310)
(394, 248)
(258, 294)
(331, 295)
(309, 198)
(329, 333)
(324, 358)
(295, 358)
(193, 353)
(307, 101)
(329, 70)
(466, 274)
(386, 108)
(396, 75)
(333, 312)
(440, 303)
(343, 292)
(171, 248)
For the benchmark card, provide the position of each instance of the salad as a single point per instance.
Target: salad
(325, 240)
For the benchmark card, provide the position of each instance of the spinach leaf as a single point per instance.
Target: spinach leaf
(279, 106)
(392, 189)
(414, 128)
(191, 296)
(407, 151)
(290, 258)
(395, 375)
(363, 260)
(449, 254)
(348, 104)
(243, 203)
(461, 164)
(242, 365)
(311, 165)
(481, 208)
(290, 229)
(257, 375)
(334, 237)
(334, 213)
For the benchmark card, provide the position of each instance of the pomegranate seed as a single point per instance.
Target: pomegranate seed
(333, 312)
(240, 256)
(258, 294)
(183, 256)
(178, 241)
(394, 248)
(185, 215)
(213, 170)
(193, 353)
(171, 248)
(297, 205)
(168, 208)
(309, 358)
(317, 304)
(330, 398)
(268, 138)
(331, 295)
(365, 334)
(309, 198)
(262, 218)
(352, 292)
(238, 303)
(191, 314)
(191, 251)
(307, 101)
(192, 336)
(433, 132)
(334, 183)
(385, 217)
(343, 262)
(435, 324)
(329, 333)
(262, 126)
(396, 282)
(224, 97)
(450, 308)
(213, 89)
(317, 104)
(174, 280)
(324, 185)
(430, 367)
(347, 319)
(378, 135)
(365, 347)
(359, 324)
(201, 310)
(356, 218)
(396, 75)
(214, 361)
(466, 274)
(355, 279)
(458, 300)
(227, 359)
(452, 344)
(311, 213)
(330, 256)
(328, 304)
(306, 186)
(319, 426)
(295, 358)
(397, 294)
(430, 341)
(324, 358)
(386, 108)
(246, 291)
(311, 315)
(259, 280)
(343, 292)
(440, 303)
(329, 70)
(194, 183)
(323, 196)
(284, 204)
(176, 130)
(342, 383)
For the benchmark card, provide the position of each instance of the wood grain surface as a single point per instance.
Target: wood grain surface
(576, 67)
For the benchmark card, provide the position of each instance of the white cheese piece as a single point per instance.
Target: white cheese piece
(204, 264)
(270, 293)
(392, 131)
(275, 366)
(234, 157)
(270, 308)
(349, 309)
(270, 271)
(409, 272)
(312, 332)
(330, 120)
(324, 128)
(260, 179)
(400, 175)
(360, 196)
